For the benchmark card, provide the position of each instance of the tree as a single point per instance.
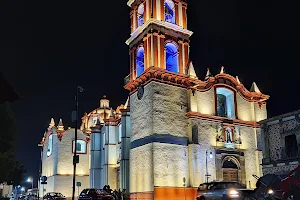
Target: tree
(12, 171)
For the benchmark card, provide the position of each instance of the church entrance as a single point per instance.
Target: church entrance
(230, 170)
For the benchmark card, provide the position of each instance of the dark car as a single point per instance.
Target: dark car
(220, 190)
(54, 196)
(95, 194)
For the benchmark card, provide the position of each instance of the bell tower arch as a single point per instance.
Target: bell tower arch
(158, 26)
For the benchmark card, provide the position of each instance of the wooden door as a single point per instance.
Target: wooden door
(230, 175)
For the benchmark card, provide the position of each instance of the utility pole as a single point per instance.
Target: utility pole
(75, 157)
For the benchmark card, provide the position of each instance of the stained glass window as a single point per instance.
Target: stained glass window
(172, 57)
(170, 11)
(140, 15)
(140, 61)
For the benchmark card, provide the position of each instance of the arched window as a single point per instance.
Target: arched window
(80, 146)
(50, 145)
(140, 15)
(139, 61)
(225, 103)
(170, 11)
(172, 57)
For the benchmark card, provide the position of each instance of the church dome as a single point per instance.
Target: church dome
(103, 112)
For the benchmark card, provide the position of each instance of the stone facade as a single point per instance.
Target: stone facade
(172, 145)
(280, 137)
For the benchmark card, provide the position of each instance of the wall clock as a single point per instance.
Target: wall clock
(140, 92)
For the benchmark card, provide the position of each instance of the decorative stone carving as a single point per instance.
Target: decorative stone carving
(237, 135)
(220, 133)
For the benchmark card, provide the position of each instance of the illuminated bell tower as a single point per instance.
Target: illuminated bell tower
(159, 57)
(159, 36)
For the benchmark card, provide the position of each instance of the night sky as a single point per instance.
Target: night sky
(48, 47)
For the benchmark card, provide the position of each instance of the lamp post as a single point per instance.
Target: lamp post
(75, 157)
(210, 156)
(30, 180)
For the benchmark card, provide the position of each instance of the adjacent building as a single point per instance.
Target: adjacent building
(281, 143)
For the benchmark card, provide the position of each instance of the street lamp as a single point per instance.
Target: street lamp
(210, 156)
(23, 189)
(30, 180)
(79, 89)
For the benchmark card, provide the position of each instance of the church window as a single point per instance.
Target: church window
(140, 61)
(140, 15)
(50, 145)
(291, 147)
(225, 103)
(170, 11)
(80, 146)
(172, 57)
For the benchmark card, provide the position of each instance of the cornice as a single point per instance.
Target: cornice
(112, 121)
(181, 80)
(197, 115)
(130, 2)
(167, 25)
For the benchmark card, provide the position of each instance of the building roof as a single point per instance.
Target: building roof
(282, 116)
(8, 94)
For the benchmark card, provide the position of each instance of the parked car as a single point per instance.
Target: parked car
(223, 191)
(276, 187)
(54, 196)
(95, 194)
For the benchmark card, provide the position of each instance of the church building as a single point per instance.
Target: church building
(175, 131)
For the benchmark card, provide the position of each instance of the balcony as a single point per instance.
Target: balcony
(283, 158)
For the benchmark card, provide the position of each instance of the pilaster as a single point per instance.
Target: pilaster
(125, 146)
(110, 150)
(96, 169)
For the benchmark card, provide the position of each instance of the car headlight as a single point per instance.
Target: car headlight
(270, 191)
(233, 193)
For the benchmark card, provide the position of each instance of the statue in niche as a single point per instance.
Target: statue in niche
(220, 133)
(237, 135)
(221, 105)
(228, 132)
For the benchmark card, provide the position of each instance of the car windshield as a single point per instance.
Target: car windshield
(227, 185)
(92, 192)
(220, 185)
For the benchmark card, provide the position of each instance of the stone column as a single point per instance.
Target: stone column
(96, 147)
(125, 148)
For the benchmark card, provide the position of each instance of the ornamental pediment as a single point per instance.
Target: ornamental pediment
(181, 80)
